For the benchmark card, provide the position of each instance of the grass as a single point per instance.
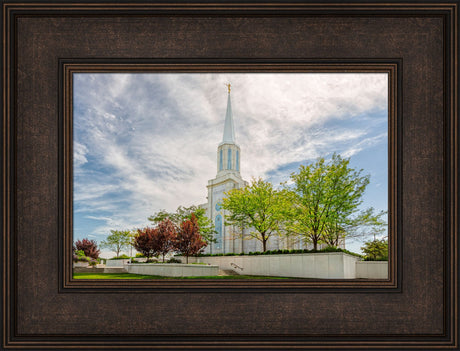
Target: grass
(110, 276)
(140, 276)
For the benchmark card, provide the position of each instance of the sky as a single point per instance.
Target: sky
(148, 141)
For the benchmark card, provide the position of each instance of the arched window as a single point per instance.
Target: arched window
(237, 160)
(229, 159)
(218, 225)
(221, 161)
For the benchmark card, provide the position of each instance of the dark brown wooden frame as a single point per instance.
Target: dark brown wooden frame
(69, 67)
(44, 43)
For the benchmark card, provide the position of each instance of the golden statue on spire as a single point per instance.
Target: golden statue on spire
(228, 86)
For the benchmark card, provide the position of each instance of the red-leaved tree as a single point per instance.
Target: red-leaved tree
(143, 242)
(188, 239)
(89, 247)
(156, 241)
(164, 237)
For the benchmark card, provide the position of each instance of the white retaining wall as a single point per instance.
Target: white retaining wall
(80, 264)
(372, 269)
(116, 263)
(330, 265)
(172, 269)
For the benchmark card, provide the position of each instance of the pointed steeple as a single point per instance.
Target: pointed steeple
(229, 129)
(228, 152)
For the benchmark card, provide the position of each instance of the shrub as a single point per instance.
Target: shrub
(376, 250)
(139, 255)
(283, 251)
(89, 247)
(174, 260)
(121, 257)
(79, 256)
(383, 258)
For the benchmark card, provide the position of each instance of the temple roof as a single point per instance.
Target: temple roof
(229, 129)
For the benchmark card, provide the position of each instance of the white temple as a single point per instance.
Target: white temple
(231, 238)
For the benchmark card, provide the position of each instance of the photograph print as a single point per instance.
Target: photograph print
(230, 175)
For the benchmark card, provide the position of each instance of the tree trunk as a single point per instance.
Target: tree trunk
(186, 259)
(264, 244)
(315, 245)
(163, 258)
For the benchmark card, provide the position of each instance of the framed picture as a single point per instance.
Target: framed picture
(127, 145)
(66, 68)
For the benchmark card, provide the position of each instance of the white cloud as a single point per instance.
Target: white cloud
(79, 151)
(145, 142)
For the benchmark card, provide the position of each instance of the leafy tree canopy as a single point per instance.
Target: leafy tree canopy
(89, 247)
(325, 200)
(188, 240)
(144, 242)
(376, 250)
(206, 227)
(257, 206)
(164, 237)
(117, 240)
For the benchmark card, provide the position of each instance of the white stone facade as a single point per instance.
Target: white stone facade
(231, 238)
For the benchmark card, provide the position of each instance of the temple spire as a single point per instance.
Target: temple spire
(229, 130)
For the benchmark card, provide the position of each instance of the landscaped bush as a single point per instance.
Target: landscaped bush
(376, 259)
(79, 256)
(89, 247)
(376, 250)
(284, 251)
(139, 255)
(121, 257)
(142, 262)
(174, 260)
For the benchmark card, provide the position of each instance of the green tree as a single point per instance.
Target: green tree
(376, 250)
(367, 223)
(117, 240)
(206, 227)
(325, 200)
(257, 206)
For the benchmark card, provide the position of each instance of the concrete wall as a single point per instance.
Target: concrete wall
(372, 269)
(99, 270)
(172, 269)
(80, 264)
(116, 263)
(331, 265)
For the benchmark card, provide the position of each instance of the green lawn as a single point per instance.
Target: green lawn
(140, 276)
